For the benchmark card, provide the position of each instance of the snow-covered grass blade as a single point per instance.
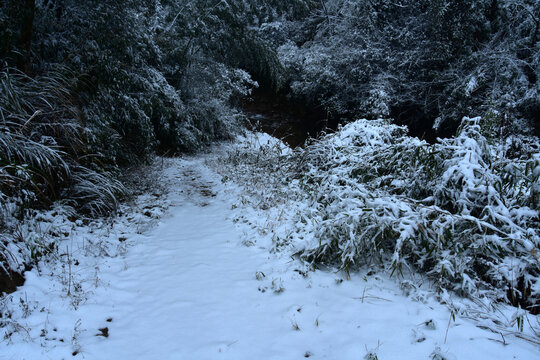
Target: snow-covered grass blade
(458, 210)
(43, 156)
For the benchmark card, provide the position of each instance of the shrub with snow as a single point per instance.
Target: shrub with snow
(459, 210)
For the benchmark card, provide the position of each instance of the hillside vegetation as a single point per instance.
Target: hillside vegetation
(91, 89)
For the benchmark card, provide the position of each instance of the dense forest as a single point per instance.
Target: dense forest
(90, 89)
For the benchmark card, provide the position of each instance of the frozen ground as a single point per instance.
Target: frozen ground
(180, 283)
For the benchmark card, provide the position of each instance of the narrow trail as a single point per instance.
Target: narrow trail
(183, 293)
(189, 289)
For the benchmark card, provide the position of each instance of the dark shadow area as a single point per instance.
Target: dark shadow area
(420, 123)
(531, 110)
(9, 282)
(292, 121)
(522, 297)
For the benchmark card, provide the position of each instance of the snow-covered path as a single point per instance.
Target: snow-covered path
(189, 289)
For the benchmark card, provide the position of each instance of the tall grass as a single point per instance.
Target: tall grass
(31, 125)
(43, 153)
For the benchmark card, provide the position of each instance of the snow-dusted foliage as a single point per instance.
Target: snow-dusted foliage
(89, 88)
(417, 60)
(42, 145)
(43, 157)
(145, 76)
(459, 210)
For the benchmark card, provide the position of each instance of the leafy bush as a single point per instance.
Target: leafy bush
(460, 210)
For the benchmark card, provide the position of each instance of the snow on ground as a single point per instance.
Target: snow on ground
(184, 285)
